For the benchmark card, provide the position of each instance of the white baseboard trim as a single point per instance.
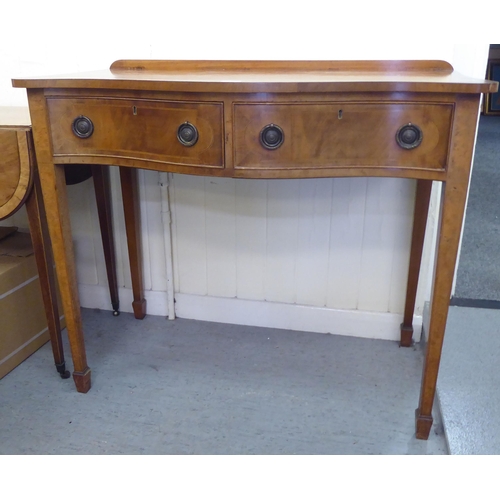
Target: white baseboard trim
(363, 324)
(293, 317)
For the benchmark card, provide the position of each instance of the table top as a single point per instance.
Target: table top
(270, 76)
(14, 117)
(16, 168)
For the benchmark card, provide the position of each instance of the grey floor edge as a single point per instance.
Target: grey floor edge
(192, 387)
(467, 389)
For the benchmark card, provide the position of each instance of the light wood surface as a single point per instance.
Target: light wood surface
(340, 119)
(269, 76)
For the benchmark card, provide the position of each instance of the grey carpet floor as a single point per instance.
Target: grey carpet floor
(478, 275)
(191, 387)
(469, 376)
(468, 381)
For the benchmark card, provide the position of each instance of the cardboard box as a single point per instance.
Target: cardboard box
(23, 324)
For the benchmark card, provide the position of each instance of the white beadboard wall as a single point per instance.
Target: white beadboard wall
(321, 255)
(331, 245)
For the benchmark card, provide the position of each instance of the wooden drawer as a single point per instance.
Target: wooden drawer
(337, 134)
(138, 129)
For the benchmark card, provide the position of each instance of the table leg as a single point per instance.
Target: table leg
(422, 198)
(55, 198)
(128, 179)
(56, 205)
(100, 175)
(453, 201)
(41, 246)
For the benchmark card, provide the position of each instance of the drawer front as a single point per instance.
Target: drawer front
(137, 129)
(322, 135)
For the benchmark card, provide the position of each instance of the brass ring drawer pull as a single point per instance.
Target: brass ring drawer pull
(272, 136)
(409, 136)
(187, 134)
(83, 127)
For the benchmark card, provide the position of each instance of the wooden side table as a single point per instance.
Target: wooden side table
(273, 120)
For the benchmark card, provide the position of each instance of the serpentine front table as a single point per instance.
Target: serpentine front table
(267, 119)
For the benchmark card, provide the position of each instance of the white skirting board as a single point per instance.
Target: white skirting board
(293, 317)
(350, 323)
